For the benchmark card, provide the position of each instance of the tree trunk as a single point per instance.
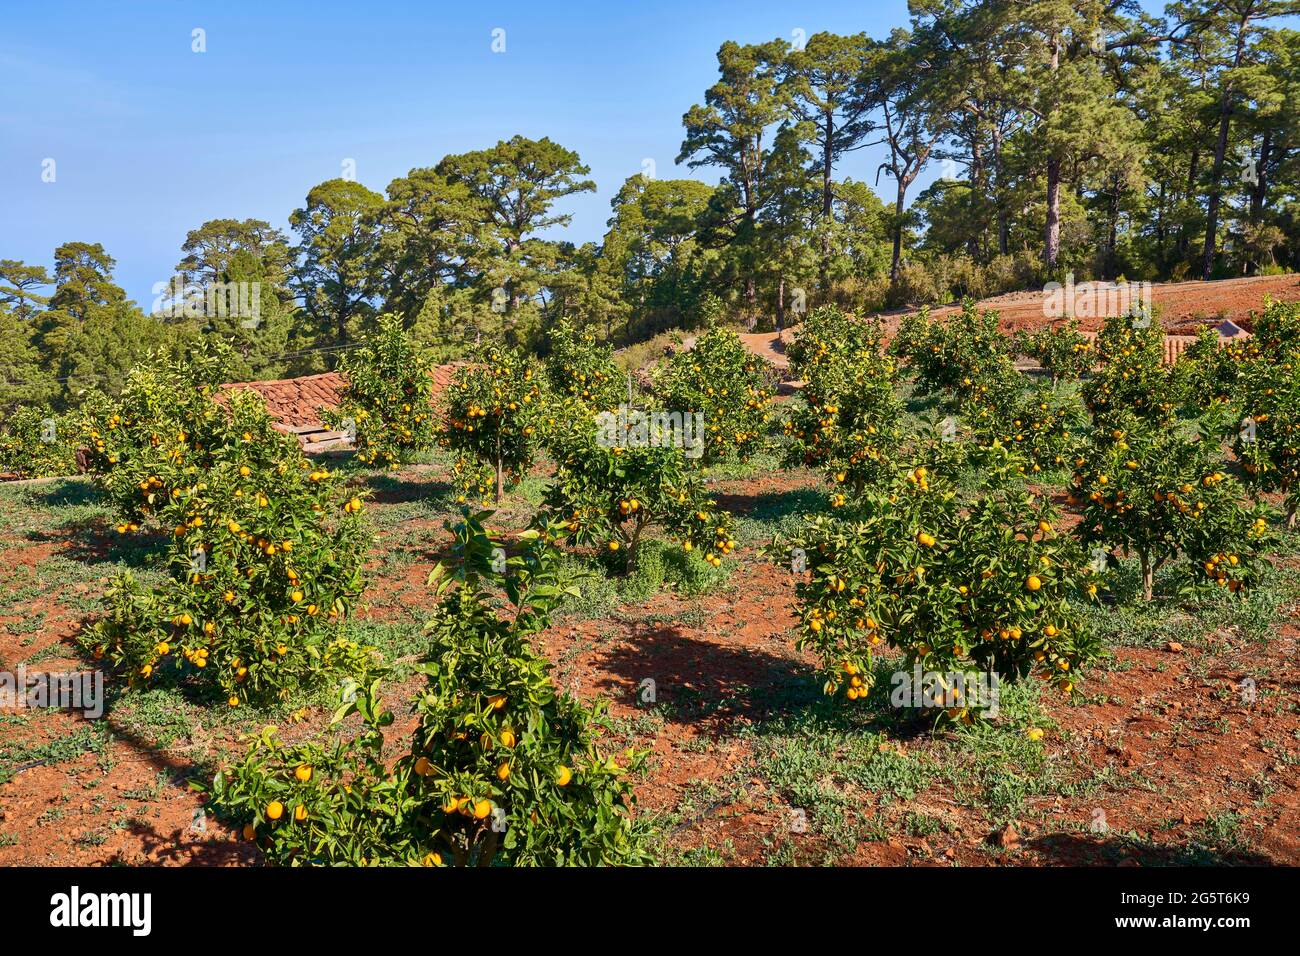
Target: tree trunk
(1260, 192)
(1220, 151)
(978, 243)
(1193, 170)
(1160, 227)
(487, 850)
(1052, 241)
(1148, 577)
(1004, 224)
(500, 471)
(1112, 234)
(823, 279)
(898, 232)
(1212, 207)
(634, 545)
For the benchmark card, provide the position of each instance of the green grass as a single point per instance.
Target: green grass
(660, 566)
(89, 738)
(1128, 621)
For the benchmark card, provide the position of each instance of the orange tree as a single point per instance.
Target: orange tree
(583, 370)
(493, 421)
(386, 401)
(964, 356)
(36, 443)
(1061, 349)
(1158, 493)
(502, 768)
(1277, 333)
(1206, 371)
(1131, 378)
(912, 338)
(608, 496)
(849, 423)
(1266, 380)
(725, 382)
(972, 581)
(265, 550)
(1267, 443)
(1043, 425)
(1222, 369)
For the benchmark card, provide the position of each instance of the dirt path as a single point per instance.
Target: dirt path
(1183, 306)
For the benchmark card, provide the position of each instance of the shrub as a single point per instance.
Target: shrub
(386, 399)
(583, 370)
(1061, 349)
(36, 443)
(610, 497)
(1267, 443)
(502, 769)
(1157, 493)
(1042, 425)
(1205, 371)
(726, 382)
(265, 551)
(980, 581)
(1277, 333)
(493, 415)
(851, 422)
(966, 356)
(1132, 378)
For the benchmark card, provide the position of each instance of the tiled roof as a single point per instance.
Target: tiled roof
(1176, 345)
(296, 402)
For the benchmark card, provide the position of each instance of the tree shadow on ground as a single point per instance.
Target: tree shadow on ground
(774, 506)
(1079, 849)
(391, 490)
(93, 542)
(213, 847)
(697, 682)
(63, 493)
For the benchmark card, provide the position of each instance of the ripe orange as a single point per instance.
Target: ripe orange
(563, 775)
(481, 809)
(302, 774)
(300, 813)
(1033, 582)
(274, 810)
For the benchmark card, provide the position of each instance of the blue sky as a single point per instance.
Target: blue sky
(151, 139)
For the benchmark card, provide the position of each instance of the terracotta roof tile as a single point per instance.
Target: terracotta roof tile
(298, 401)
(1175, 345)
